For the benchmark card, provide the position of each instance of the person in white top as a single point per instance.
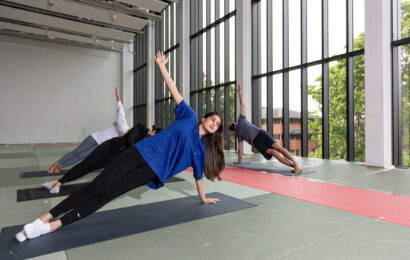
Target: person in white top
(118, 128)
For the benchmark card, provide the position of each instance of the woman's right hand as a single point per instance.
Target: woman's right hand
(211, 200)
(161, 59)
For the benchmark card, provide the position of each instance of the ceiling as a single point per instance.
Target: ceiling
(102, 24)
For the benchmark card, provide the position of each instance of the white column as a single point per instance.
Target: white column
(244, 57)
(151, 75)
(378, 82)
(127, 79)
(184, 48)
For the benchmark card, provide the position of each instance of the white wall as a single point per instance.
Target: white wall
(55, 93)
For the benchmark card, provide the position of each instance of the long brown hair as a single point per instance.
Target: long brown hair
(214, 154)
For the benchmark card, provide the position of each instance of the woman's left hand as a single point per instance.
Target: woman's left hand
(211, 201)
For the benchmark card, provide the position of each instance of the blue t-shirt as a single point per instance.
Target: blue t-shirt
(176, 148)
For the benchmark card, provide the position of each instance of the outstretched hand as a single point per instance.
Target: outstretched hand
(239, 89)
(211, 201)
(117, 94)
(160, 58)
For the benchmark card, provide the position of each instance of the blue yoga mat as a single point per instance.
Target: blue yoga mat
(111, 224)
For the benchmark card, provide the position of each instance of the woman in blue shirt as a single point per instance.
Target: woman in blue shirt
(151, 161)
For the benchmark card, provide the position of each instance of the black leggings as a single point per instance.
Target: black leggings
(101, 157)
(128, 171)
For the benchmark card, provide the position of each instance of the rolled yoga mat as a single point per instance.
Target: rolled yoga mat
(268, 167)
(43, 193)
(111, 224)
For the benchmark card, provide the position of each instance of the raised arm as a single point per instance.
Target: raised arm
(241, 103)
(121, 123)
(240, 153)
(161, 60)
(201, 193)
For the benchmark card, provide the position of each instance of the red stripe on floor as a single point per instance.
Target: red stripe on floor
(375, 204)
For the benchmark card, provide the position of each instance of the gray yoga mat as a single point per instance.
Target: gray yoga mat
(111, 224)
(41, 174)
(43, 193)
(268, 167)
(34, 174)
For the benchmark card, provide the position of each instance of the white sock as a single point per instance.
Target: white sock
(55, 189)
(36, 229)
(49, 185)
(21, 236)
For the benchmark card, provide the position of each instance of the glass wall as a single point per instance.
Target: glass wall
(308, 75)
(140, 78)
(401, 82)
(167, 40)
(213, 60)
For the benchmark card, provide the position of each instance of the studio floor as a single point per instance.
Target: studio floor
(278, 227)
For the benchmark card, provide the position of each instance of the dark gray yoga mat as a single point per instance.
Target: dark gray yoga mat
(108, 225)
(268, 167)
(43, 193)
(45, 174)
(41, 174)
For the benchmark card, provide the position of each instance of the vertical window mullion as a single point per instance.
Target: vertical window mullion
(269, 108)
(286, 74)
(304, 87)
(325, 79)
(256, 53)
(227, 100)
(349, 82)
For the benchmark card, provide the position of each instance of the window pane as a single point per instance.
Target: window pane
(337, 109)
(405, 104)
(337, 27)
(277, 99)
(264, 107)
(232, 112)
(277, 35)
(232, 49)
(221, 8)
(222, 104)
(358, 24)
(203, 3)
(404, 18)
(295, 112)
(294, 32)
(359, 109)
(212, 108)
(263, 32)
(314, 30)
(203, 75)
(315, 111)
(231, 5)
(212, 57)
(212, 10)
(222, 53)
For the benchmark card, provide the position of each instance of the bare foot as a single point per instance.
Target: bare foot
(52, 168)
(297, 169)
(58, 167)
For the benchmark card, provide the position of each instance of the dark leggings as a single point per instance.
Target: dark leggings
(101, 157)
(128, 171)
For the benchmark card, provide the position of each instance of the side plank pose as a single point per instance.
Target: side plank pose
(151, 161)
(102, 156)
(118, 128)
(259, 138)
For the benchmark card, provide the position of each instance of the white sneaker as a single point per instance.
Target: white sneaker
(20, 236)
(36, 229)
(49, 185)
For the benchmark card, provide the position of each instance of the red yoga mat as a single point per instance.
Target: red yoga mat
(375, 204)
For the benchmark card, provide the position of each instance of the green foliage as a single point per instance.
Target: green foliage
(337, 108)
(405, 84)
